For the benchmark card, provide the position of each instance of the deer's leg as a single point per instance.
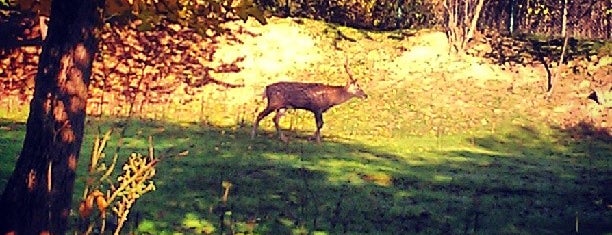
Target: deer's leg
(279, 113)
(261, 115)
(319, 120)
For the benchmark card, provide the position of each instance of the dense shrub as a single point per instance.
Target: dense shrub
(369, 14)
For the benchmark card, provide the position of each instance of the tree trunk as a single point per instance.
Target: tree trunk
(564, 18)
(609, 22)
(472, 25)
(37, 198)
(461, 26)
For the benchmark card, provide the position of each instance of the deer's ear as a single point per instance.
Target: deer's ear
(349, 82)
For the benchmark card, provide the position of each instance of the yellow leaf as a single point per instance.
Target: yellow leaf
(102, 204)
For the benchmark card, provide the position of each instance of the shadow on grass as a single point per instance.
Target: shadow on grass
(542, 182)
(519, 181)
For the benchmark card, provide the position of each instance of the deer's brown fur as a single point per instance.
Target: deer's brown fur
(314, 97)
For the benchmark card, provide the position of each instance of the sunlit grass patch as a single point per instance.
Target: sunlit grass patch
(17, 113)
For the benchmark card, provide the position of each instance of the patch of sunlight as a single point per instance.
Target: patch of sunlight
(480, 151)
(576, 155)
(418, 162)
(193, 222)
(181, 123)
(281, 157)
(147, 226)
(319, 233)
(293, 48)
(378, 178)
(340, 171)
(442, 178)
(403, 194)
(19, 114)
(159, 145)
(303, 230)
(223, 121)
(136, 143)
(567, 176)
(366, 156)
(427, 158)
(177, 170)
(340, 177)
(377, 162)
(300, 230)
(340, 165)
(154, 227)
(287, 222)
(458, 159)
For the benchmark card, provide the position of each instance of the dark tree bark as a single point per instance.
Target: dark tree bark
(37, 198)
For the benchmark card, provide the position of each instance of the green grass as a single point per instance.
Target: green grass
(406, 161)
(516, 180)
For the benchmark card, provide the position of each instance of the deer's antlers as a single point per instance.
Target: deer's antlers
(351, 78)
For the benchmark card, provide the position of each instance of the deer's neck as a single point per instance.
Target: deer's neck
(340, 96)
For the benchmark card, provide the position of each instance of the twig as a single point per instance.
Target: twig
(553, 79)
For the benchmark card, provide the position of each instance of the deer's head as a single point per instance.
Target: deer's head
(353, 88)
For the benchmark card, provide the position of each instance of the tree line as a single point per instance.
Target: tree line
(547, 17)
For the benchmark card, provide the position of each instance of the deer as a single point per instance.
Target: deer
(314, 97)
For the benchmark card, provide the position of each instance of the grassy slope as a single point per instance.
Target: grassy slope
(423, 155)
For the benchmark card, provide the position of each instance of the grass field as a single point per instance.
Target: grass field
(521, 180)
(442, 146)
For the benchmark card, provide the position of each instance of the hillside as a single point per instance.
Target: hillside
(453, 93)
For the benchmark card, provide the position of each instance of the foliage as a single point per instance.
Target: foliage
(205, 16)
(367, 14)
(136, 68)
(547, 17)
(5, 3)
(603, 48)
(101, 192)
(461, 19)
(178, 63)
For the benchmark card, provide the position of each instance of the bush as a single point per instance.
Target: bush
(366, 14)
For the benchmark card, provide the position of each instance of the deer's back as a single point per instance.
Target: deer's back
(310, 96)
